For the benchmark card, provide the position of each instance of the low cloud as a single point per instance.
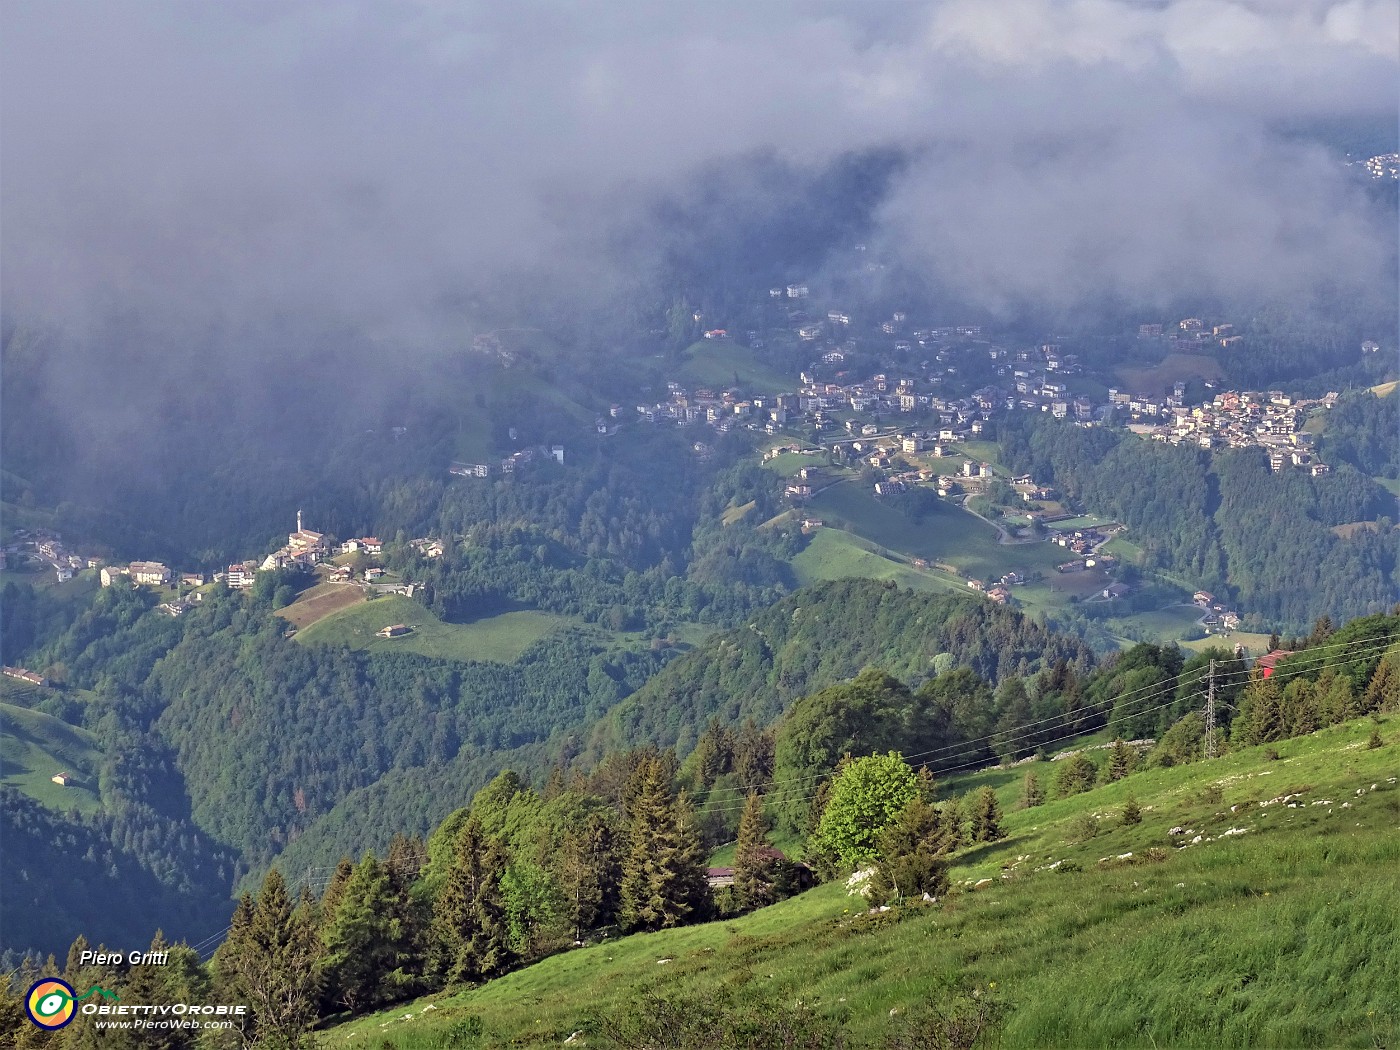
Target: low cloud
(374, 167)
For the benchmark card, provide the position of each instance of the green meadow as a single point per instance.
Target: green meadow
(720, 363)
(947, 533)
(34, 746)
(1266, 920)
(832, 554)
(500, 639)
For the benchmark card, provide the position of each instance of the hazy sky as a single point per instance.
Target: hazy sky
(365, 162)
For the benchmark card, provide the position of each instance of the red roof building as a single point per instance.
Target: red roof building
(1269, 661)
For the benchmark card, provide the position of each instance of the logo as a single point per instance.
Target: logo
(51, 1004)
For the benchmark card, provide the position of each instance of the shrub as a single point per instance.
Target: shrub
(969, 1020)
(1083, 827)
(1031, 795)
(1132, 812)
(1077, 774)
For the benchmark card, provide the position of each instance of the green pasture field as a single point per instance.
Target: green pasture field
(732, 514)
(1173, 368)
(948, 534)
(1257, 644)
(789, 464)
(34, 746)
(1275, 929)
(1169, 625)
(499, 639)
(714, 363)
(983, 452)
(833, 554)
(1124, 549)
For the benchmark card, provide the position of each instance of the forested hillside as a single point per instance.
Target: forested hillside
(1225, 521)
(618, 846)
(821, 636)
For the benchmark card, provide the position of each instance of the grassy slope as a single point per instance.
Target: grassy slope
(831, 554)
(714, 363)
(1281, 936)
(499, 638)
(34, 746)
(316, 603)
(948, 533)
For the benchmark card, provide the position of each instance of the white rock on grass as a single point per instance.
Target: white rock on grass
(858, 885)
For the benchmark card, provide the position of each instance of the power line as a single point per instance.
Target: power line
(1353, 657)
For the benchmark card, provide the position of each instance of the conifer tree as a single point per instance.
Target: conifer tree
(587, 867)
(1337, 700)
(760, 876)
(1120, 761)
(753, 756)
(82, 1035)
(268, 961)
(910, 852)
(1383, 691)
(1260, 716)
(470, 937)
(179, 980)
(950, 826)
(1031, 793)
(1132, 812)
(986, 816)
(1077, 773)
(13, 1021)
(363, 954)
(663, 877)
(1299, 708)
(1012, 742)
(330, 900)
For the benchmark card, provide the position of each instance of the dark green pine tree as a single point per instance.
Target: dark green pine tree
(760, 871)
(663, 877)
(82, 1034)
(364, 956)
(1077, 773)
(587, 868)
(179, 980)
(911, 853)
(329, 1002)
(1120, 761)
(407, 857)
(269, 962)
(14, 1025)
(1260, 716)
(986, 816)
(470, 936)
(330, 900)
(753, 756)
(1383, 691)
(1031, 793)
(1012, 741)
(16, 1030)
(952, 835)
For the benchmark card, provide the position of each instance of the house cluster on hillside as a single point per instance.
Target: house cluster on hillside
(25, 675)
(147, 573)
(506, 464)
(722, 409)
(1272, 421)
(1216, 616)
(1383, 166)
(47, 545)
